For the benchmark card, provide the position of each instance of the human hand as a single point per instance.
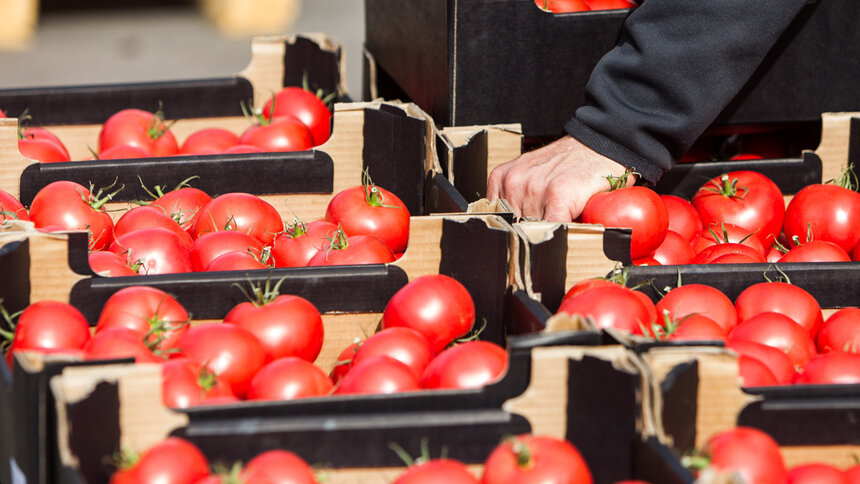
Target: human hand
(553, 182)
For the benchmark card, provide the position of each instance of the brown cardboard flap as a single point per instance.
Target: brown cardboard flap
(834, 146)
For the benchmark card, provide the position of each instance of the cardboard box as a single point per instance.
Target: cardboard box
(469, 62)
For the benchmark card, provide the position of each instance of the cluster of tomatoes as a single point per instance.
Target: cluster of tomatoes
(293, 119)
(739, 217)
(566, 6)
(777, 328)
(186, 230)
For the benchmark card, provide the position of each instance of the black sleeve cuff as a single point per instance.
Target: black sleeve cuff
(606, 147)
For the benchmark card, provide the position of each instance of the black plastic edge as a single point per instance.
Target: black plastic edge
(441, 196)
(653, 461)
(679, 392)
(524, 315)
(15, 283)
(548, 268)
(470, 167)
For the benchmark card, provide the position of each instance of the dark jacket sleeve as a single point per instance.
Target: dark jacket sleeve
(677, 65)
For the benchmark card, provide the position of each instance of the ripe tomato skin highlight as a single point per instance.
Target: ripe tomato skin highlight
(182, 205)
(674, 250)
(42, 150)
(550, 460)
(150, 311)
(288, 378)
(437, 306)
(684, 220)
(743, 254)
(377, 374)
(119, 342)
(437, 470)
(208, 141)
(779, 331)
(836, 367)
(11, 208)
(240, 212)
(784, 298)
(362, 211)
(403, 344)
(34, 132)
(139, 128)
(296, 246)
(108, 264)
(721, 233)
(696, 327)
(774, 358)
(830, 211)
(306, 107)
(816, 473)
(159, 251)
(610, 307)
(753, 454)
(46, 325)
(148, 217)
(816, 251)
(181, 384)
(235, 261)
(210, 245)
(473, 364)
(280, 467)
(358, 249)
(638, 208)
(69, 205)
(282, 134)
(174, 461)
(840, 332)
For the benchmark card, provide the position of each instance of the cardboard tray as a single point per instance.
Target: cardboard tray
(469, 62)
(43, 266)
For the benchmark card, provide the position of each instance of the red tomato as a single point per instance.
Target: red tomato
(610, 4)
(775, 359)
(696, 327)
(403, 344)
(371, 210)
(42, 150)
(120, 342)
(243, 149)
(836, 367)
(830, 212)
(211, 245)
(208, 141)
(304, 105)
(358, 249)
(148, 217)
(124, 152)
(853, 474)
(719, 253)
(437, 306)
(296, 246)
(535, 459)
(716, 234)
(236, 261)
(11, 208)
(46, 325)
(278, 467)
(585, 285)
(754, 373)
(610, 307)
(753, 454)
(779, 331)
(473, 364)
(674, 250)
(156, 315)
(108, 264)
(282, 134)
(683, 217)
(33, 133)
(289, 378)
(138, 128)
(182, 205)
(157, 250)
(816, 473)
(855, 254)
(285, 325)
(343, 362)
(241, 212)
(171, 461)
(233, 353)
(840, 332)
(185, 383)
(71, 206)
(638, 208)
(377, 374)
(437, 470)
(816, 251)
(784, 298)
(699, 299)
(646, 261)
(744, 198)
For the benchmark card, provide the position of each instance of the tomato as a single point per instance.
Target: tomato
(120, 342)
(840, 332)
(744, 198)
(42, 134)
(371, 210)
(285, 325)
(754, 373)
(610, 307)
(208, 141)
(776, 360)
(182, 205)
(377, 374)
(282, 134)
(305, 106)
(610, 4)
(289, 378)
(124, 152)
(781, 297)
(674, 250)
(403, 344)
(153, 313)
(157, 250)
(472, 364)
(779, 331)
(233, 353)
(185, 383)
(236, 261)
(753, 454)
(148, 217)
(243, 149)
(278, 467)
(853, 474)
(829, 212)
(358, 249)
(535, 459)
(11, 208)
(437, 306)
(241, 212)
(719, 253)
(46, 325)
(836, 367)
(295, 246)
(344, 362)
(210, 245)
(585, 285)
(171, 461)
(71, 206)
(437, 470)
(638, 208)
(42, 150)
(699, 299)
(138, 128)
(108, 264)
(646, 261)
(816, 473)
(855, 254)
(695, 327)
(727, 233)
(816, 251)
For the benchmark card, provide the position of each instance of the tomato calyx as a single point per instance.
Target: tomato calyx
(261, 295)
(372, 195)
(327, 99)
(424, 457)
(231, 475)
(619, 182)
(124, 459)
(847, 179)
(255, 116)
(669, 326)
(7, 336)
(156, 127)
(728, 188)
(158, 191)
(521, 451)
(724, 239)
(23, 120)
(695, 461)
